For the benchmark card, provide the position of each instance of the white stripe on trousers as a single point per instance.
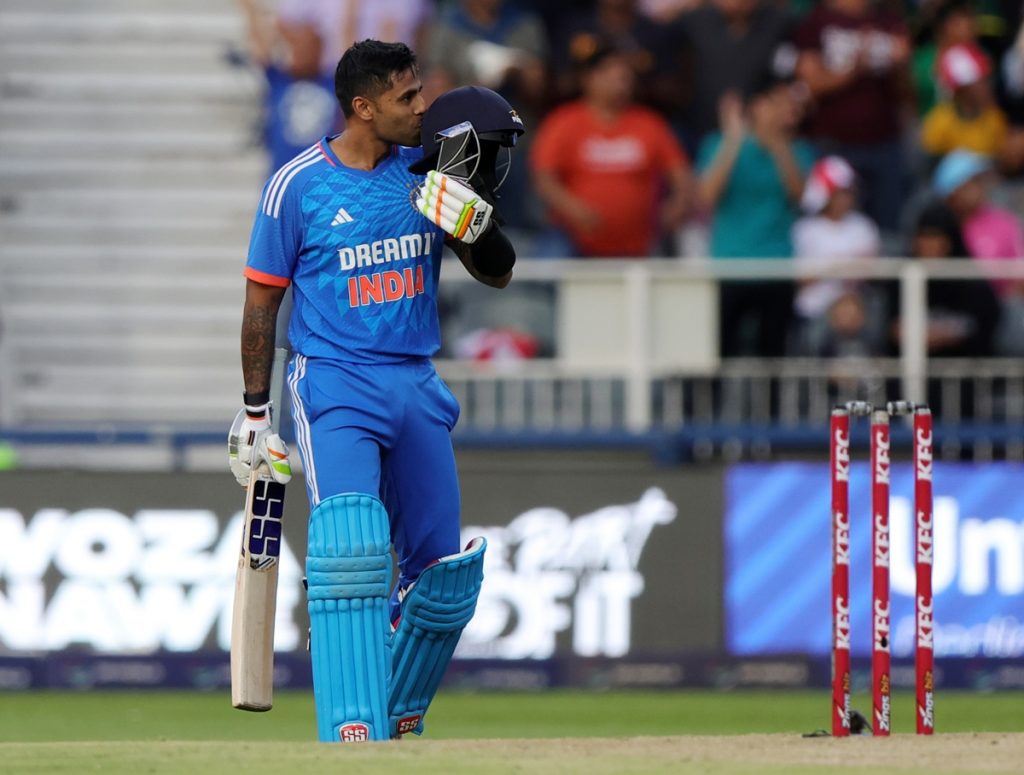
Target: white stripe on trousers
(303, 433)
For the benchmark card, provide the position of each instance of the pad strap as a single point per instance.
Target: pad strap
(348, 570)
(434, 612)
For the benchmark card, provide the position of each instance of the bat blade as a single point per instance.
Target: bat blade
(255, 603)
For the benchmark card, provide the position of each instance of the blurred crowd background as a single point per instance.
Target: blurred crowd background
(824, 132)
(711, 198)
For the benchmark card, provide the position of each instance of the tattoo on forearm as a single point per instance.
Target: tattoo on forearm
(258, 328)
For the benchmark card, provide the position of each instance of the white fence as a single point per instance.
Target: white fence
(637, 348)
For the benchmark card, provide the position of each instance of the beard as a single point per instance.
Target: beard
(401, 135)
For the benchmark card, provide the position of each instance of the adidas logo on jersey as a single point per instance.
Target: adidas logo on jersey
(342, 217)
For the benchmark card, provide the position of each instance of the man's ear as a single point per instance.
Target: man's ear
(363, 108)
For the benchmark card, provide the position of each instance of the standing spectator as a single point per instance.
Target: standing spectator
(832, 233)
(490, 43)
(644, 41)
(1011, 96)
(666, 11)
(298, 47)
(853, 57)
(991, 233)
(751, 178)
(733, 44)
(493, 43)
(968, 117)
(600, 164)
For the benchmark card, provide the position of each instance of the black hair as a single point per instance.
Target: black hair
(937, 217)
(764, 84)
(368, 68)
(594, 51)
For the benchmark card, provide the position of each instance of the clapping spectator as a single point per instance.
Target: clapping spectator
(968, 116)
(751, 179)
(601, 163)
(853, 58)
(832, 233)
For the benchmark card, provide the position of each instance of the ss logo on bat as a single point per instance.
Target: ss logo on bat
(266, 527)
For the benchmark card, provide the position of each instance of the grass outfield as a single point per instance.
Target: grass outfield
(170, 732)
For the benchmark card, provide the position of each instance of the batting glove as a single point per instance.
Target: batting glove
(250, 442)
(453, 206)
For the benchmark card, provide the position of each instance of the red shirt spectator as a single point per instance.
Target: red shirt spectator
(602, 162)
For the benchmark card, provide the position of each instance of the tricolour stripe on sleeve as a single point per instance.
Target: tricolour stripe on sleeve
(279, 176)
(278, 197)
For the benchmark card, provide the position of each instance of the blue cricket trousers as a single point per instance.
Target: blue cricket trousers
(382, 429)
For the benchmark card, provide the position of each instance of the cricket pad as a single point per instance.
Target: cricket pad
(434, 612)
(348, 568)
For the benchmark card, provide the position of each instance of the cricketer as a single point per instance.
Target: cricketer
(356, 225)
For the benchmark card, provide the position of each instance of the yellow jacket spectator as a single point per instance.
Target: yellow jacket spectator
(969, 117)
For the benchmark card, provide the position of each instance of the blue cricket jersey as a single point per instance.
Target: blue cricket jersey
(363, 263)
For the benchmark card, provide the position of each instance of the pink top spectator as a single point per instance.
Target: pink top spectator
(992, 233)
(340, 23)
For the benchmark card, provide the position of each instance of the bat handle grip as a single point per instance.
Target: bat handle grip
(277, 386)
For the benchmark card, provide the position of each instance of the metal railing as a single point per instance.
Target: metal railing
(636, 392)
(626, 379)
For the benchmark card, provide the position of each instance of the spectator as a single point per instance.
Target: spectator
(733, 44)
(1012, 101)
(968, 117)
(600, 164)
(644, 41)
(298, 48)
(495, 44)
(853, 58)
(962, 180)
(947, 23)
(963, 315)
(751, 177)
(666, 11)
(831, 234)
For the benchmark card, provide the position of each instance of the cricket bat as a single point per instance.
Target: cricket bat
(255, 604)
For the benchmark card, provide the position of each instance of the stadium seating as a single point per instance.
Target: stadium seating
(128, 163)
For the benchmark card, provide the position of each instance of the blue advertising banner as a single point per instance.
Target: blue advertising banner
(778, 559)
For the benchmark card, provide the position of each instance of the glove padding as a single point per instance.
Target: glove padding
(251, 442)
(454, 206)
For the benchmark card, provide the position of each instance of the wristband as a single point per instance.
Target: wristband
(492, 254)
(260, 398)
(257, 412)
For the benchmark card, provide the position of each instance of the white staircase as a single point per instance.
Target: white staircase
(129, 175)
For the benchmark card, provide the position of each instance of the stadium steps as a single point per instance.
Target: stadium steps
(129, 173)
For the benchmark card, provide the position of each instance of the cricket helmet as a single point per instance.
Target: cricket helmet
(464, 133)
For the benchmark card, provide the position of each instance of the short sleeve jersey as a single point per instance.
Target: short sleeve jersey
(867, 110)
(754, 216)
(363, 263)
(616, 168)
